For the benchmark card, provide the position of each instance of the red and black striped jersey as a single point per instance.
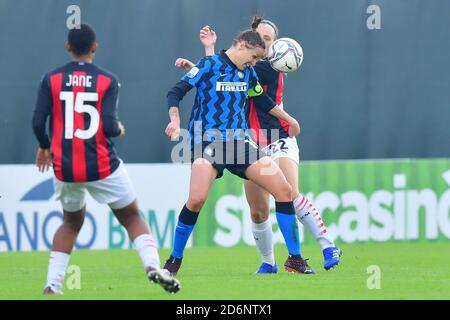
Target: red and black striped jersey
(267, 128)
(81, 100)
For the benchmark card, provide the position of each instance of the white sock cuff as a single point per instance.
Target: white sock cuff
(60, 257)
(144, 240)
(261, 226)
(299, 201)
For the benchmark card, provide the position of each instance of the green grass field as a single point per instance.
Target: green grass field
(408, 271)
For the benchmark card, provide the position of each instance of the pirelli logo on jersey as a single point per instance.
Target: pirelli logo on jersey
(231, 86)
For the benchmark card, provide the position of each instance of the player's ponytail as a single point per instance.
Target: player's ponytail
(257, 20)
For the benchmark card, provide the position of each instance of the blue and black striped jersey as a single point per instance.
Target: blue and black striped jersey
(219, 105)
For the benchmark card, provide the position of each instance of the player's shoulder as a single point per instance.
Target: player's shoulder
(207, 61)
(54, 71)
(265, 71)
(264, 65)
(104, 72)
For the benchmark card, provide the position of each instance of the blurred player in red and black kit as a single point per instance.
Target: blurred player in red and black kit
(82, 102)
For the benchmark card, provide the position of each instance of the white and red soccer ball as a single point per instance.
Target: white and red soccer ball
(285, 55)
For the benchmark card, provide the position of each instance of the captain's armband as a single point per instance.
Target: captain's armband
(256, 91)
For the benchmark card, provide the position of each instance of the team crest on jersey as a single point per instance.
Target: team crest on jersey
(231, 86)
(193, 72)
(208, 151)
(240, 75)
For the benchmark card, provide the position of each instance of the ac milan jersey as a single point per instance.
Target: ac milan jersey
(81, 100)
(272, 82)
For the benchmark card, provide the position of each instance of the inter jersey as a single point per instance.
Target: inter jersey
(220, 103)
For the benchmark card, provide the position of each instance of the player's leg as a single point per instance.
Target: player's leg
(118, 192)
(258, 200)
(72, 197)
(306, 212)
(145, 245)
(269, 176)
(139, 233)
(66, 235)
(202, 176)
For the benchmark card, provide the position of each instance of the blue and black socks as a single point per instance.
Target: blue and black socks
(287, 222)
(185, 225)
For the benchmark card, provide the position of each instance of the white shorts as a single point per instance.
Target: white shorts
(116, 190)
(283, 148)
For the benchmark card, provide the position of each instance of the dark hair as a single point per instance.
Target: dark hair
(251, 37)
(81, 39)
(257, 20)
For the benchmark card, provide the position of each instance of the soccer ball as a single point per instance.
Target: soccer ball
(285, 55)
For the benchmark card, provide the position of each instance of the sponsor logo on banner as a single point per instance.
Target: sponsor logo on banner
(30, 216)
(360, 201)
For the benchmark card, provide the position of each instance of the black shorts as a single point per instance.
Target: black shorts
(235, 156)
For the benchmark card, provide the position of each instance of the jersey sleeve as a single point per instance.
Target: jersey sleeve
(42, 110)
(265, 72)
(110, 110)
(256, 91)
(176, 94)
(196, 74)
(187, 82)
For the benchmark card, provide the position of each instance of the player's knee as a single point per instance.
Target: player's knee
(284, 193)
(259, 218)
(196, 202)
(259, 212)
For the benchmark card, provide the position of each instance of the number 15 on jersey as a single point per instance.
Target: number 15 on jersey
(80, 106)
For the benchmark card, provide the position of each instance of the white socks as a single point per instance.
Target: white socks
(309, 216)
(262, 233)
(146, 247)
(57, 266)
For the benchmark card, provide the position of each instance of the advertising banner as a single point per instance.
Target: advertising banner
(360, 201)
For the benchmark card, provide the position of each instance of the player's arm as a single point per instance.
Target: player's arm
(208, 38)
(184, 64)
(41, 112)
(174, 96)
(112, 127)
(265, 103)
(177, 93)
(294, 126)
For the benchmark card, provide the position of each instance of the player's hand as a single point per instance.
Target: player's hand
(173, 130)
(208, 37)
(122, 130)
(184, 63)
(43, 159)
(294, 128)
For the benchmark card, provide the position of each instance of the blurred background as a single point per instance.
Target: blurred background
(360, 93)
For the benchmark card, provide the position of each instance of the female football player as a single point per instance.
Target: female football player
(272, 136)
(219, 140)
